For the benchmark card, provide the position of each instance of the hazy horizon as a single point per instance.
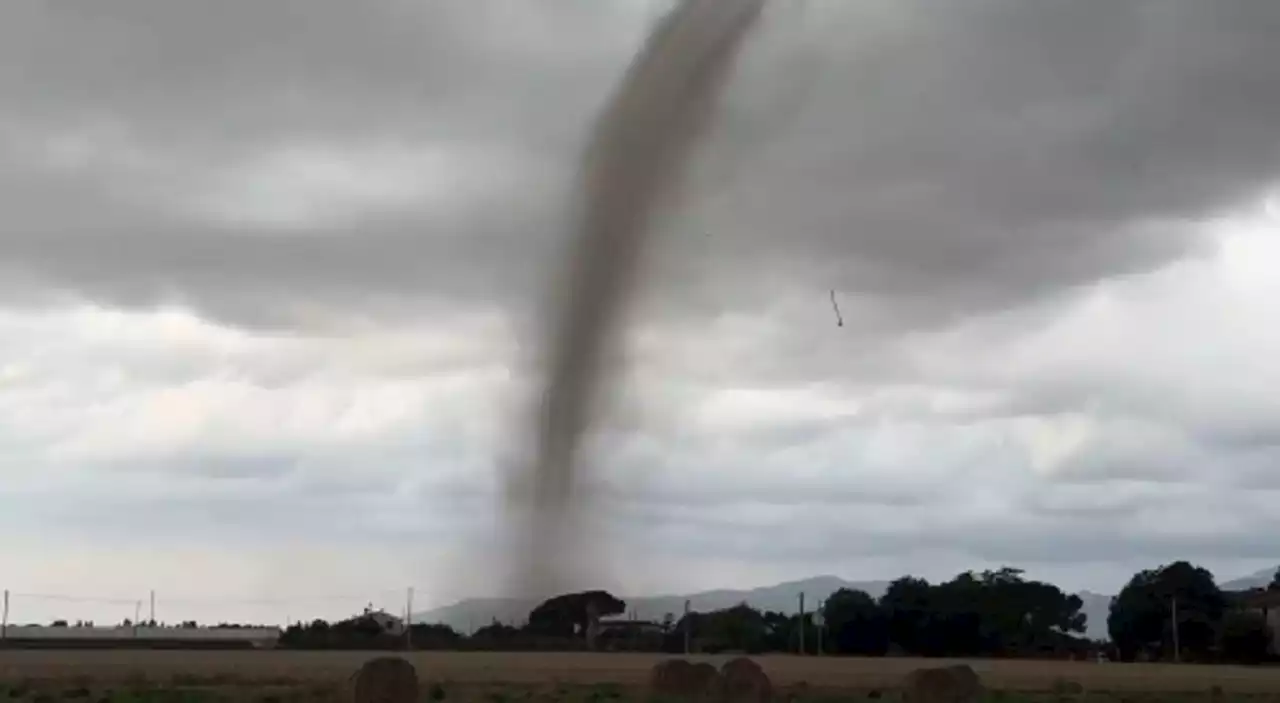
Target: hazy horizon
(107, 610)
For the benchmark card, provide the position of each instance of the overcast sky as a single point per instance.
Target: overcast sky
(270, 276)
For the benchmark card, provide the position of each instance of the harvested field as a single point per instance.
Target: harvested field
(525, 670)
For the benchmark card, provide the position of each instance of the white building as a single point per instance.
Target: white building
(389, 623)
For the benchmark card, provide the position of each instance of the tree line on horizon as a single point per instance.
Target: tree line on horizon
(996, 613)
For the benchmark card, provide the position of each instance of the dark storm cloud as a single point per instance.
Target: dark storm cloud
(227, 72)
(947, 157)
(993, 150)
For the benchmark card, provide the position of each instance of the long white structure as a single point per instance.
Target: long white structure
(260, 637)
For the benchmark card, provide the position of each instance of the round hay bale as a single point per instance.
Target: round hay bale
(673, 677)
(743, 681)
(948, 684)
(386, 680)
(704, 679)
(966, 679)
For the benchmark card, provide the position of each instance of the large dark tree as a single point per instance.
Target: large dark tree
(992, 613)
(856, 622)
(782, 631)
(740, 628)
(573, 613)
(1141, 619)
(962, 620)
(744, 629)
(1245, 637)
(1026, 617)
(908, 608)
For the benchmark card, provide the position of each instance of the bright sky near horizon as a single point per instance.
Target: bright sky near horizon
(269, 276)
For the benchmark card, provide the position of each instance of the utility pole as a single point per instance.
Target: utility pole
(137, 613)
(688, 623)
(152, 619)
(821, 621)
(802, 628)
(408, 619)
(4, 618)
(1177, 647)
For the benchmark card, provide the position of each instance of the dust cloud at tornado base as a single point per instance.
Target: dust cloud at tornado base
(631, 167)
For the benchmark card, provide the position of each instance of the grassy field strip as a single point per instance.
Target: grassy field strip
(626, 669)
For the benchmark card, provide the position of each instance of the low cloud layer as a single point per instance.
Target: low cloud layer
(271, 279)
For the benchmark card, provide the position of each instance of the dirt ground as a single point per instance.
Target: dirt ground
(624, 670)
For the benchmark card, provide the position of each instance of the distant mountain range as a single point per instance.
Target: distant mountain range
(473, 613)
(1259, 579)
